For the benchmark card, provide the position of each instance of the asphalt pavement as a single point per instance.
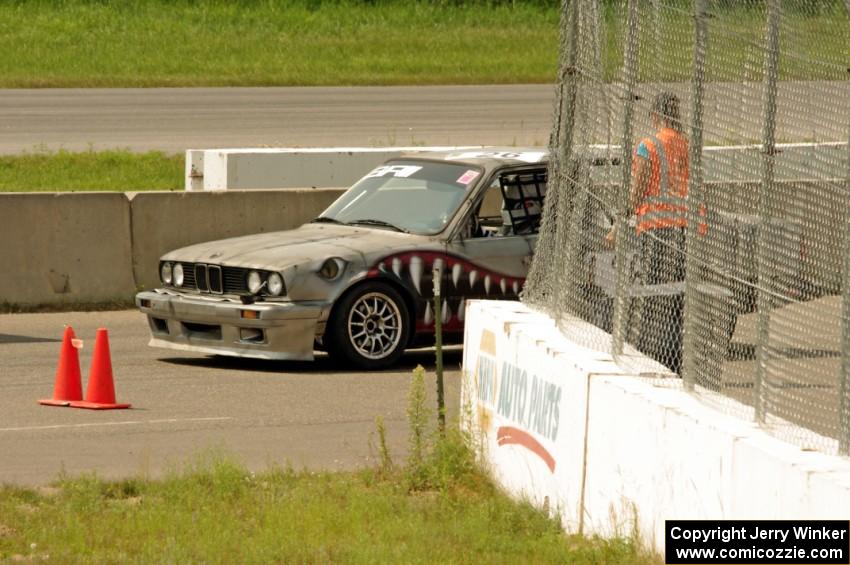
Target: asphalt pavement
(312, 415)
(176, 119)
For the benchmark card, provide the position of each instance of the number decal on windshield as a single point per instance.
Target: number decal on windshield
(400, 171)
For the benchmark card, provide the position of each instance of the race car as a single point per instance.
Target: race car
(357, 281)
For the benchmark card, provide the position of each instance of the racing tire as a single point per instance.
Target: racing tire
(369, 327)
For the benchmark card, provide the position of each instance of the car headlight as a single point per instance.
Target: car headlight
(177, 274)
(255, 282)
(331, 268)
(165, 273)
(275, 284)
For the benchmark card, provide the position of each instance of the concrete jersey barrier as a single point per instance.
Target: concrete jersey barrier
(65, 247)
(85, 247)
(162, 221)
(89, 247)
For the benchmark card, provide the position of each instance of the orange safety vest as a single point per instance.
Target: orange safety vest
(664, 203)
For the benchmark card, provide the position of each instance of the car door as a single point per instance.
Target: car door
(490, 254)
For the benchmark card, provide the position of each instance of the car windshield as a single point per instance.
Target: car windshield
(405, 195)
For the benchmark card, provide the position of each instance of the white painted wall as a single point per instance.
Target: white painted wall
(322, 167)
(340, 167)
(630, 452)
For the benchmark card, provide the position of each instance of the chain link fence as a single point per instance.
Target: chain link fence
(698, 208)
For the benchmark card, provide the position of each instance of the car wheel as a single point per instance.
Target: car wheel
(369, 327)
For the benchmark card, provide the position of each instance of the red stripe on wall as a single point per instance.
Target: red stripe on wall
(509, 435)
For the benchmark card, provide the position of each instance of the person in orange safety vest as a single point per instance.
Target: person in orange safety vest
(658, 195)
(660, 171)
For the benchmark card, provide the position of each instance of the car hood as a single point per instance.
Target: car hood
(310, 242)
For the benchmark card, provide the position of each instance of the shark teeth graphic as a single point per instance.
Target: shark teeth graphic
(397, 267)
(429, 315)
(487, 284)
(503, 284)
(461, 309)
(457, 271)
(416, 272)
(516, 287)
(382, 266)
(446, 313)
(473, 276)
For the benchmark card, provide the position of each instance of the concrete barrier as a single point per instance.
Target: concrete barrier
(65, 248)
(83, 248)
(94, 247)
(162, 221)
(320, 167)
(611, 453)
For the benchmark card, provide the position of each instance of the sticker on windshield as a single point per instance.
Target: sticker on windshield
(468, 177)
(400, 171)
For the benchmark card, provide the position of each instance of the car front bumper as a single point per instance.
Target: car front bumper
(217, 326)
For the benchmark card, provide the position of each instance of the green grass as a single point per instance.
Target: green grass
(90, 170)
(814, 43)
(218, 512)
(184, 43)
(127, 43)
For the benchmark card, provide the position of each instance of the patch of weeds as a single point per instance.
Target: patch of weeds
(441, 462)
(83, 493)
(418, 418)
(385, 461)
(122, 490)
(19, 495)
(211, 471)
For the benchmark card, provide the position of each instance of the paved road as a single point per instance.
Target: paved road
(176, 119)
(309, 414)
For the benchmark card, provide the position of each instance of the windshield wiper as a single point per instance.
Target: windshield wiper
(381, 223)
(325, 219)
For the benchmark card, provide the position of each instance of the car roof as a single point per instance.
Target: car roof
(487, 157)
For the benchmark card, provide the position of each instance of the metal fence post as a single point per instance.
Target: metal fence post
(630, 72)
(569, 78)
(438, 336)
(844, 388)
(539, 286)
(570, 244)
(765, 209)
(694, 244)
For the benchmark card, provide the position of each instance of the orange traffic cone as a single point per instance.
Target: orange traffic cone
(100, 393)
(68, 386)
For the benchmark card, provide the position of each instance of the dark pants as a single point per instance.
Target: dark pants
(655, 322)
